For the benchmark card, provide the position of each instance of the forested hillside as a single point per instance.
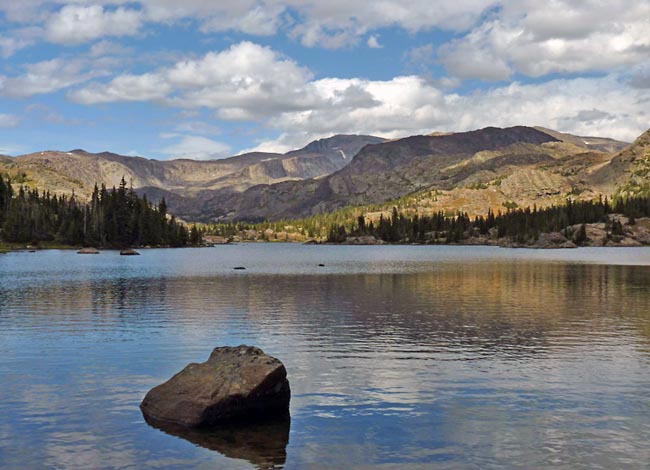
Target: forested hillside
(115, 218)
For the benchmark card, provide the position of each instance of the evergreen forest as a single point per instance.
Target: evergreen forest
(115, 218)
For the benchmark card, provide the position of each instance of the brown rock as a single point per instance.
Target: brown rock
(88, 251)
(129, 252)
(234, 384)
(363, 240)
(553, 240)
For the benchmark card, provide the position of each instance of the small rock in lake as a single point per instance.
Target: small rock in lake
(129, 252)
(321, 265)
(239, 267)
(88, 251)
(234, 384)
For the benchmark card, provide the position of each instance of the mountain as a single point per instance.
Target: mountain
(78, 170)
(628, 172)
(473, 171)
(602, 144)
(470, 171)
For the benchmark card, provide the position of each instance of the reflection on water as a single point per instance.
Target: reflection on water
(397, 356)
(262, 444)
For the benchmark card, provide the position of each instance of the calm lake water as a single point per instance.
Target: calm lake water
(398, 357)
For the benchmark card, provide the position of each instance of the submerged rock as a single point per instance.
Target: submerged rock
(129, 252)
(235, 384)
(88, 251)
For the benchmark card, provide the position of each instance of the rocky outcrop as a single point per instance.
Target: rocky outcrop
(88, 251)
(363, 240)
(553, 240)
(618, 231)
(234, 384)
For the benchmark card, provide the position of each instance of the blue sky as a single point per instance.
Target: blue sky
(206, 79)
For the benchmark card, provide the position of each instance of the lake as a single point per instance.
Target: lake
(398, 356)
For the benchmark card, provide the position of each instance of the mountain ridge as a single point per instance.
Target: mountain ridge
(473, 171)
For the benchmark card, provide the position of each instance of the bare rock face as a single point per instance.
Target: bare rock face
(553, 240)
(235, 384)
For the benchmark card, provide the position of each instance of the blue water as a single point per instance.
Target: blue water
(398, 356)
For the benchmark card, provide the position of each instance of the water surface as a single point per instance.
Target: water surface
(398, 356)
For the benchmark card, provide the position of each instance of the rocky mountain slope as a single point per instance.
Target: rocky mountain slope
(628, 172)
(472, 171)
(78, 170)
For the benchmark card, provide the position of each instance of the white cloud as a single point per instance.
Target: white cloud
(251, 82)
(195, 147)
(335, 23)
(246, 81)
(46, 77)
(258, 21)
(410, 105)
(145, 87)
(561, 36)
(9, 120)
(373, 42)
(75, 24)
(108, 48)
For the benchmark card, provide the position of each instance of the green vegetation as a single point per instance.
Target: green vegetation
(517, 225)
(117, 218)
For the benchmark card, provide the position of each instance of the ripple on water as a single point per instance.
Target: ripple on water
(397, 356)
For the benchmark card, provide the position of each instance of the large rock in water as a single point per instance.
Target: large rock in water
(235, 383)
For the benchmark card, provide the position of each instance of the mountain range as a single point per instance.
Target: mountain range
(471, 171)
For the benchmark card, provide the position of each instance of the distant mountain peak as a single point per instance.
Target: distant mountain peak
(338, 141)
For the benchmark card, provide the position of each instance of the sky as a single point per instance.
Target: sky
(207, 79)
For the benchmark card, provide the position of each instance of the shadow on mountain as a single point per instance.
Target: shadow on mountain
(262, 444)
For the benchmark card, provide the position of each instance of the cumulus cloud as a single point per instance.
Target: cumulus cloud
(246, 81)
(562, 36)
(195, 147)
(331, 24)
(411, 105)
(75, 24)
(145, 87)
(251, 82)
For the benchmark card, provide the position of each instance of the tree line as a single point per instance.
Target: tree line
(116, 218)
(517, 225)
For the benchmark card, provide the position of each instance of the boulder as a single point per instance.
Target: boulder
(88, 251)
(235, 384)
(553, 240)
(363, 240)
(129, 252)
